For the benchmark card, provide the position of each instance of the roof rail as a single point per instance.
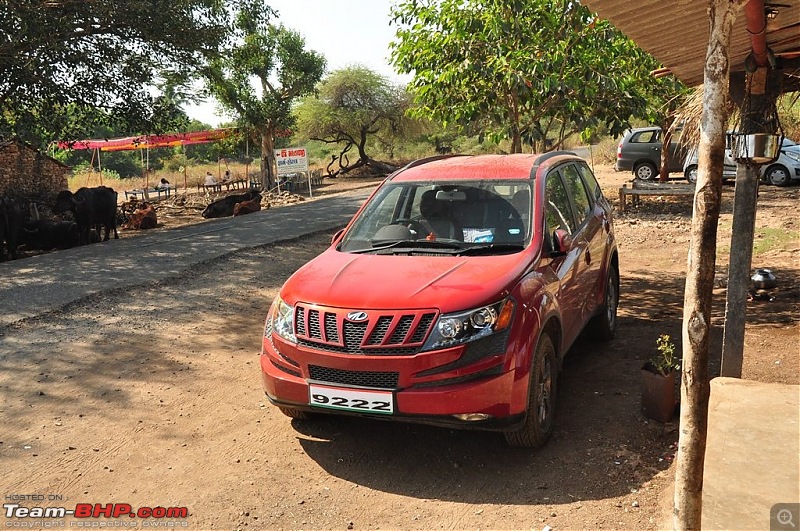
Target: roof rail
(546, 156)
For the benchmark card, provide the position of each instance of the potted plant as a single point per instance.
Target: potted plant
(658, 381)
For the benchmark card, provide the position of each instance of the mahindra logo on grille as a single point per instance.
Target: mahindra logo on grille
(357, 316)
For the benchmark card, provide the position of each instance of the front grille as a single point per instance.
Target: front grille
(325, 347)
(379, 380)
(382, 333)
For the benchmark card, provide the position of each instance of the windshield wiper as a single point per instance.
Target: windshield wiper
(494, 248)
(409, 244)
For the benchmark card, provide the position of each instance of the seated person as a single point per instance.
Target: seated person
(435, 219)
(227, 177)
(210, 180)
(163, 185)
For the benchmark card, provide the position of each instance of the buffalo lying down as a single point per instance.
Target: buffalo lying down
(44, 234)
(224, 207)
(90, 207)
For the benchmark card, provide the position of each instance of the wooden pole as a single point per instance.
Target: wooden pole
(695, 387)
(741, 256)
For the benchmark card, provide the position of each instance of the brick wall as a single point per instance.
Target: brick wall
(26, 173)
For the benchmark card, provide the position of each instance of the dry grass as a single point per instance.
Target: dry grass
(193, 176)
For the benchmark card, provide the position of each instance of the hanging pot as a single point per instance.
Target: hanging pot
(756, 148)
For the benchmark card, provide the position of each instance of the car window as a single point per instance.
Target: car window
(644, 137)
(591, 182)
(577, 190)
(558, 212)
(479, 212)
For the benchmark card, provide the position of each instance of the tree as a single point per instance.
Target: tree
(260, 74)
(354, 105)
(71, 56)
(533, 71)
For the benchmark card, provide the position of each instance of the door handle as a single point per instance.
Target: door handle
(588, 256)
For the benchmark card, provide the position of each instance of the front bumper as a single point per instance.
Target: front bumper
(430, 388)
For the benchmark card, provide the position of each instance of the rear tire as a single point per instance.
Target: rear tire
(296, 414)
(645, 171)
(778, 175)
(541, 399)
(604, 324)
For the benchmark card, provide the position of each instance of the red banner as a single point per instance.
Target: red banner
(149, 141)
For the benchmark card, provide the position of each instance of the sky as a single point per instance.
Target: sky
(346, 32)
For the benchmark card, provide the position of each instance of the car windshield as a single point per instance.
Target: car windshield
(444, 218)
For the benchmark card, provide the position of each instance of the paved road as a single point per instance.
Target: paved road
(42, 283)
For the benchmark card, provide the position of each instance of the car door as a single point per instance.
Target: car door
(646, 145)
(568, 267)
(590, 238)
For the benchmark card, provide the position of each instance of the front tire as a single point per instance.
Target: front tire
(691, 174)
(541, 399)
(604, 324)
(645, 171)
(778, 175)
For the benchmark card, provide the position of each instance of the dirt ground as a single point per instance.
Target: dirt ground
(151, 396)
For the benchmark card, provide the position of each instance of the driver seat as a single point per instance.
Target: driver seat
(435, 219)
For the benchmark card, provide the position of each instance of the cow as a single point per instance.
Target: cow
(247, 207)
(44, 234)
(11, 219)
(144, 217)
(90, 207)
(224, 207)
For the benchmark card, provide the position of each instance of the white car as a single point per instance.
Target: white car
(780, 172)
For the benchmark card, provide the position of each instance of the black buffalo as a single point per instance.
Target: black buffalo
(224, 207)
(90, 207)
(44, 234)
(11, 220)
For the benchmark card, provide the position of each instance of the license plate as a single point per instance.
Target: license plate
(360, 400)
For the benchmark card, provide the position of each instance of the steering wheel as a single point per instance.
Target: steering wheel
(413, 226)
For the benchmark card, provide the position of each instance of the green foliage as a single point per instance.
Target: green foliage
(666, 361)
(66, 65)
(355, 107)
(531, 71)
(272, 57)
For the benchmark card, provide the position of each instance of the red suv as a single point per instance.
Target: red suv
(450, 298)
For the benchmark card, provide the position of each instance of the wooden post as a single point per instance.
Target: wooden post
(741, 255)
(695, 387)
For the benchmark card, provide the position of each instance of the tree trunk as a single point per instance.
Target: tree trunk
(663, 175)
(695, 388)
(268, 171)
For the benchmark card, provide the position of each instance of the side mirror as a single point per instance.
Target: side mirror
(337, 236)
(561, 242)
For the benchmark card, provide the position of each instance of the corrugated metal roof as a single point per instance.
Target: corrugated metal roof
(676, 32)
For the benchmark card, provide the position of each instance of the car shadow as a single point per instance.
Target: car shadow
(602, 446)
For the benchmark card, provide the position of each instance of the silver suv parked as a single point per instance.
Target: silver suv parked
(780, 172)
(639, 152)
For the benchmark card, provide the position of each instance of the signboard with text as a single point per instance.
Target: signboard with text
(291, 160)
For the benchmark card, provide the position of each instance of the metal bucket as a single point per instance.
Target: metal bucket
(758, 147)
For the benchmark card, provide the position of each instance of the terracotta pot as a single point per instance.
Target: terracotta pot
(658, 395)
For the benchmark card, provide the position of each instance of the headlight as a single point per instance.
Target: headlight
(282, 318)
(456, 328)
(794, 155)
